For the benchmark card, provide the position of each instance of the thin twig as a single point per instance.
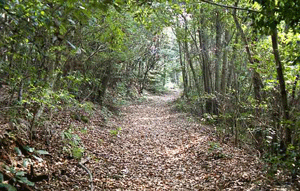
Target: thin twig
(95, 52)
(87, 97)
(81, 164)
(228, 6)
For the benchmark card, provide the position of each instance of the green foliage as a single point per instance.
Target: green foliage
(215, 150)
(122, 89)
(7, 187)
(273, 12)
(84, 130)
(18, 151)
(287, 162)
(71, 64)
(42, 152)
(181, 105)
(100, 141)
(84, 119)
(115, 132)
(19, 176)
(213, 146)
(284, 161)
(158, 89)
(88, 107)
(80, 117)
(1, 177)
(77, 152)
(209, 119)
(106, 112)
(73, 145)
(121, 102)
(27, 161)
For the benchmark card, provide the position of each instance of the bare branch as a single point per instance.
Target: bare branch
(228, 6)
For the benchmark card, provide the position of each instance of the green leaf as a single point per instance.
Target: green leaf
(72, 22)
(62, 29)
(24, 180)
(117, 7)
(26, 161)
(74, 47)
(2, 2)
(29, 149)
(7, 187)
(38, 158)
(1, 177)
(20, 173)
(42, 152)
(18, 151)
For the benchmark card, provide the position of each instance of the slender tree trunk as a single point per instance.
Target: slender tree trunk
(218, 52)
(224, 66)
(104, 83)
(183, 70)
(164, 75)
(255, 75)
(200, 54)
(149, 66)
(189, 60)
(232, 63)
(205, 65)
(294, 87)
(205, 62)
(280, 77)
(210, 106)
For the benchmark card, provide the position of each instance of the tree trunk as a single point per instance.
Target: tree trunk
(183, 70)
(232, 64)
(218, 52)
(189, 60)
(205, 62)
(256, 79)
(224, 66)
(149, 66)
(104, 83)
(280, 77)
(211, 105)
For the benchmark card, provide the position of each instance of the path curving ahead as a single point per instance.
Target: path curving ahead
(161, 149)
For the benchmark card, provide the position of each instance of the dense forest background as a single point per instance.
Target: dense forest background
(236, 61)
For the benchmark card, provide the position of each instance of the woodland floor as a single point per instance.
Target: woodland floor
(161, 149)
(158, 148)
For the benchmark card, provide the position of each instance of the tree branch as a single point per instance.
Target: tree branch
(228, 6)
(81, 164)
(95, 52)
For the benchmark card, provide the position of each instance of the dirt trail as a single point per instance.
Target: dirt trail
(157, 149)
(160, 149)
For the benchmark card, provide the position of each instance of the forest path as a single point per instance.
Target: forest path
(161, 149)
